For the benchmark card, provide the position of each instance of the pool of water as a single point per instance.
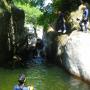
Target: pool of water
(42, 77)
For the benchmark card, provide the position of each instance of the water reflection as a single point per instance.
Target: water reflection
(42, 77)
(76, 84)
(50, 77)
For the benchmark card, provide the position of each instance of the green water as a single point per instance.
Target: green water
(42, 77)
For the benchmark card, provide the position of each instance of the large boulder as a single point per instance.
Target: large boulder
(76, 55)
(71, 51)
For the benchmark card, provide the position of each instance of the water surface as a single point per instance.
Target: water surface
(42, 77)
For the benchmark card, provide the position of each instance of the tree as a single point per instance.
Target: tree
(31, 13)
(5, 4)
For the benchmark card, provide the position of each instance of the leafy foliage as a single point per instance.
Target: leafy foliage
(31, 13)
(38, 14)
(5, 5)
(38, 3)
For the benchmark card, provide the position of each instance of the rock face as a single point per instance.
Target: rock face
(4, 28)
(50, 44)
(72, 52)
(6, 33)
(18, 21)
(76, 57)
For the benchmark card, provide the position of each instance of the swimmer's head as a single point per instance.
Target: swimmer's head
(22, 78)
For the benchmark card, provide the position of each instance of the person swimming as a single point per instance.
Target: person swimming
(21, 84)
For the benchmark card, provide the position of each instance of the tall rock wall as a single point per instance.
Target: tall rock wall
(18, 22)
(50, 45)
(7, 33)
(4, 28)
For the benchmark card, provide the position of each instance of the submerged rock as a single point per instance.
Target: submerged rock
(76, 56)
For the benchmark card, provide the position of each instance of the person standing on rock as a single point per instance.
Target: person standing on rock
(60, 26)
(84, 20)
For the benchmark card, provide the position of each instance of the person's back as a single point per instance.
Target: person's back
(17, 87)
(20, 85)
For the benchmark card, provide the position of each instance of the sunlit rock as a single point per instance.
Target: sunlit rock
(76, 58)
(62, 40)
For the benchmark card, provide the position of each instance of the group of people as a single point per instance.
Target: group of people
(83, 22)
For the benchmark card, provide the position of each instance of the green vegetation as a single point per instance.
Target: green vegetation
(35, 12)
(32, 13)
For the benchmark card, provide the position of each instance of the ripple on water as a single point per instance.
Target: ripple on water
(42, 77)
(53, 78)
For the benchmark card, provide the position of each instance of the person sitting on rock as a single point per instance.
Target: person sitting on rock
(21, 85)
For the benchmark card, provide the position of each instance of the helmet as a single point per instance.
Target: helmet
(22, 78)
